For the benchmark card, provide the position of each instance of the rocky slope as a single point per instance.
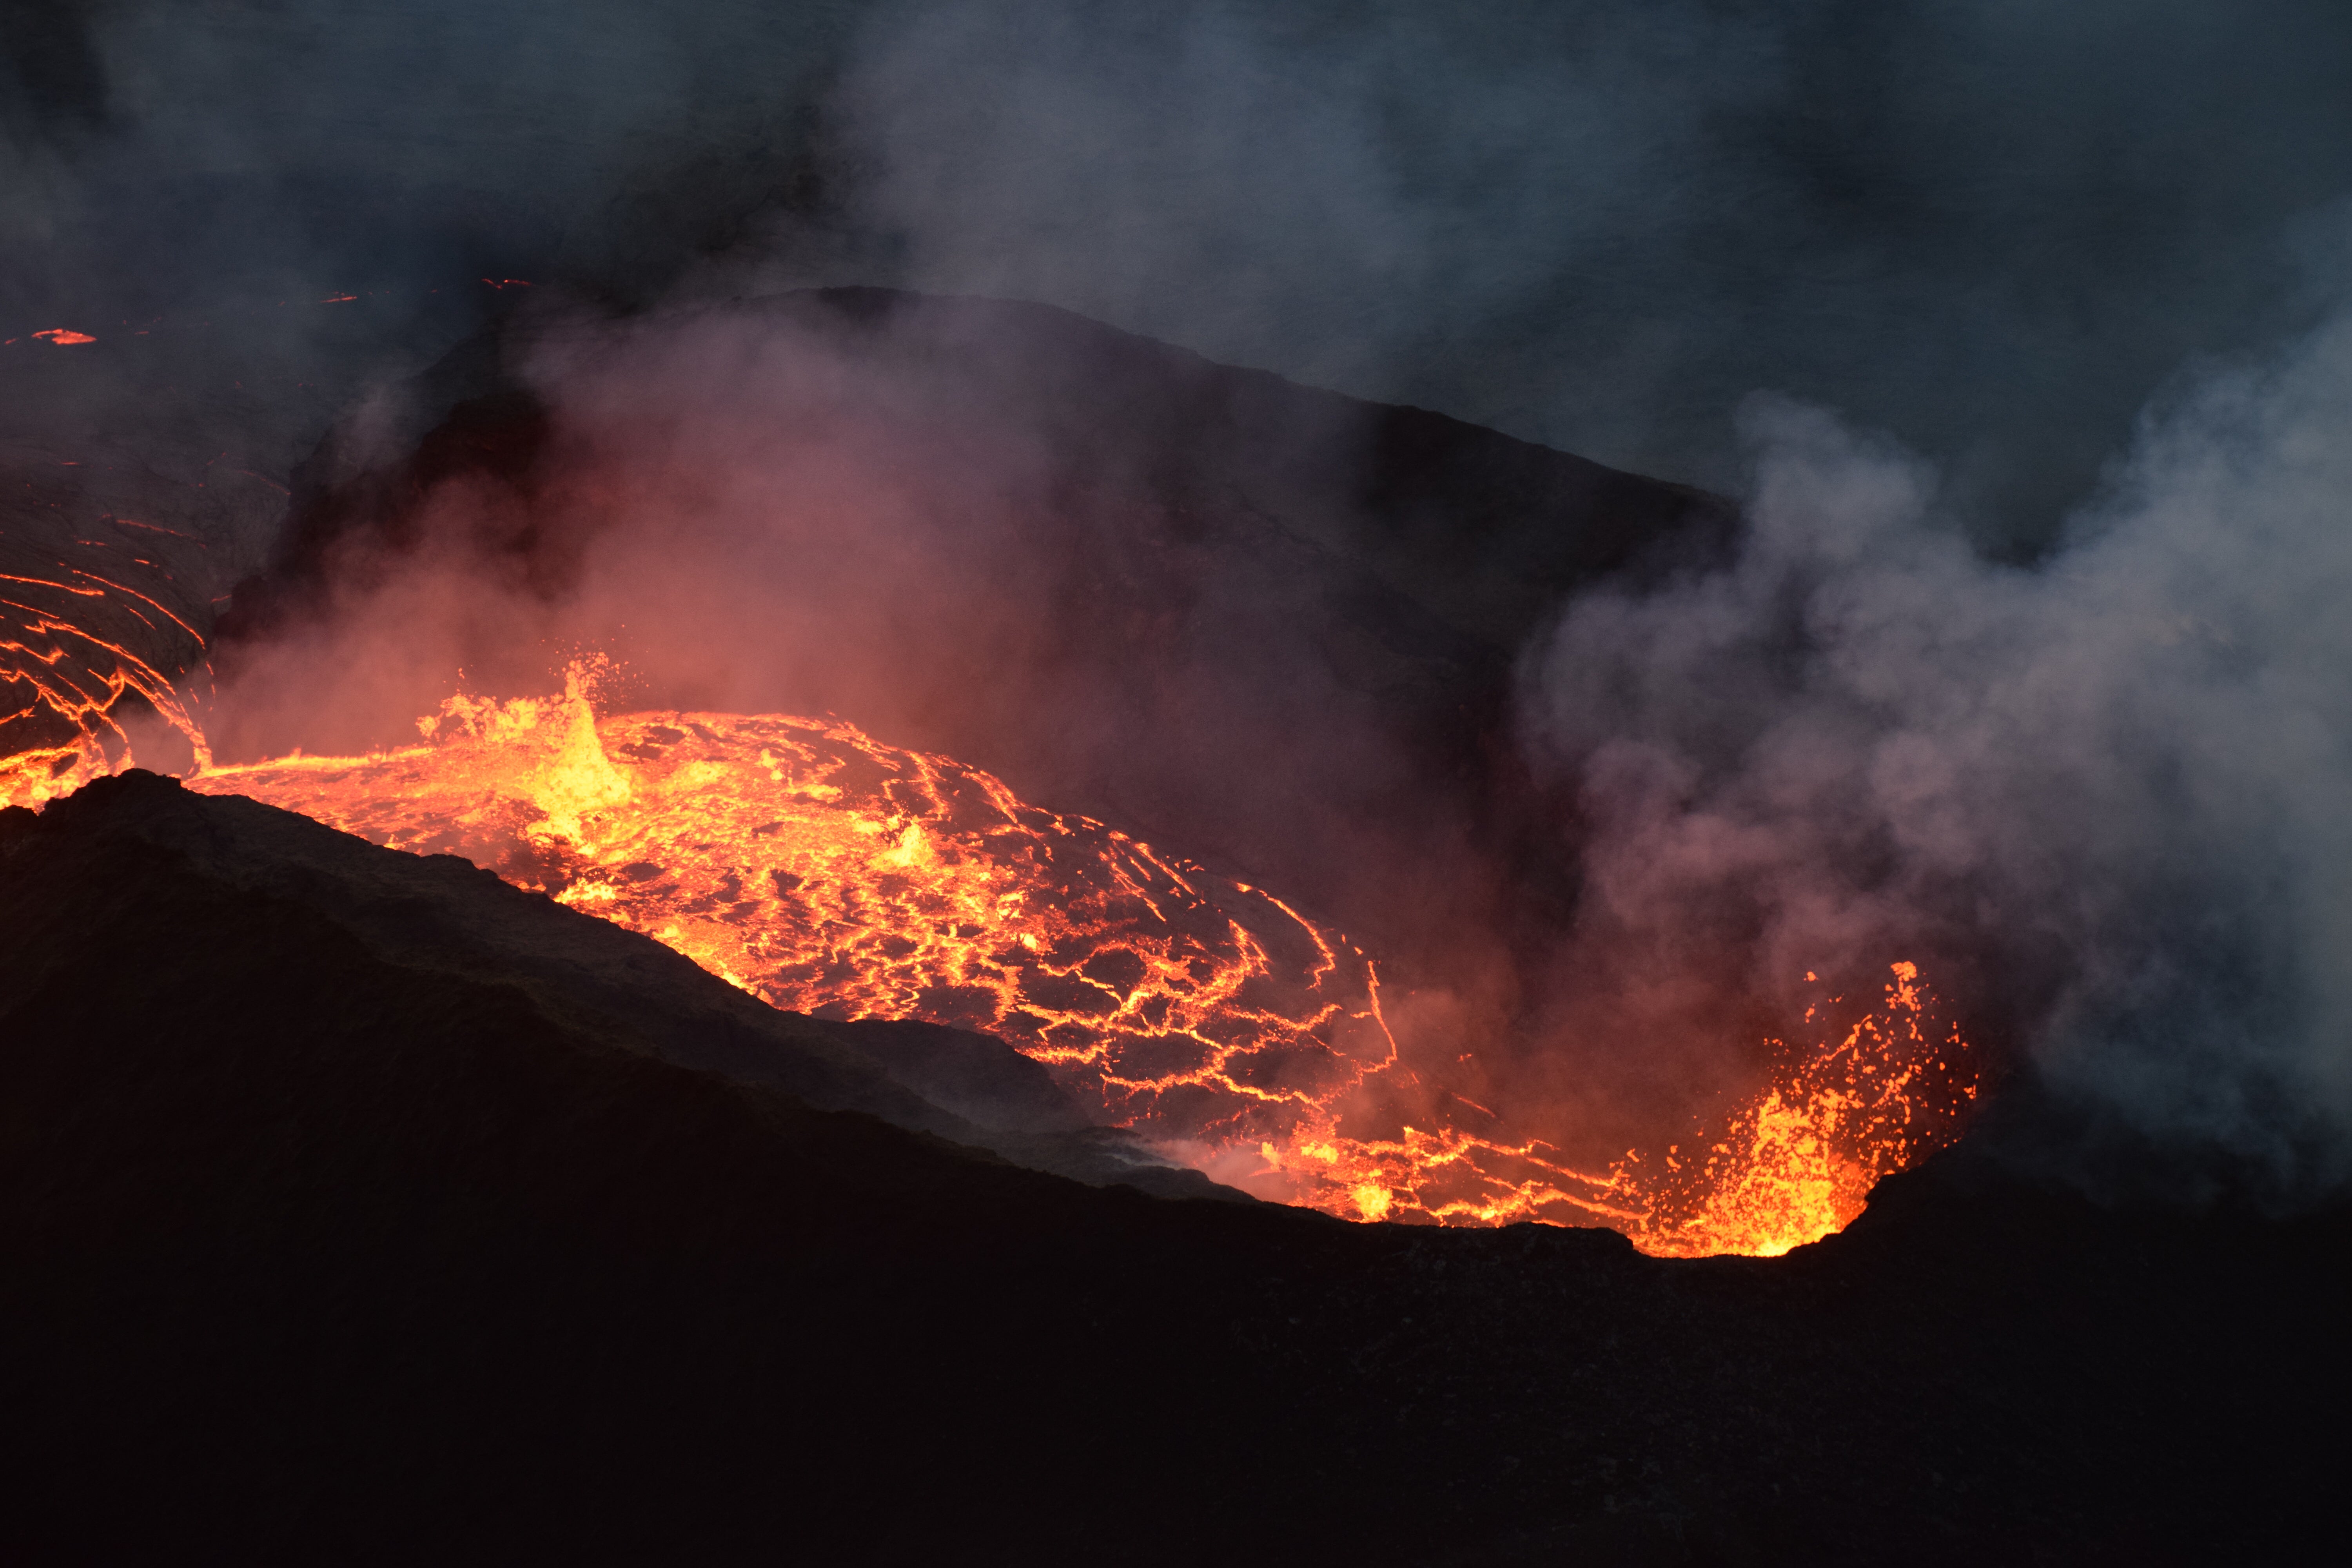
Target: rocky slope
(355, 1206)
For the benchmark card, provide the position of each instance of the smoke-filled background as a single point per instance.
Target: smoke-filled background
(2013, 326)
(1990, 230)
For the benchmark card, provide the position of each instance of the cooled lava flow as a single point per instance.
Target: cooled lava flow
(828, 873)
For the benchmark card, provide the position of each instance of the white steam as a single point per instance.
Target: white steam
(2113, 790)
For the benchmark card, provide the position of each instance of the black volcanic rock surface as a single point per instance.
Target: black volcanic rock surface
(356, 1207)
(439, 916)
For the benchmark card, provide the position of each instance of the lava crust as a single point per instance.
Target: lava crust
(356, 1207)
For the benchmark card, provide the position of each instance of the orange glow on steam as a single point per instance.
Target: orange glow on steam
(826, 872)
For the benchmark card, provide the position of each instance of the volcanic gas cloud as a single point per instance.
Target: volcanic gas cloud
(845, 532)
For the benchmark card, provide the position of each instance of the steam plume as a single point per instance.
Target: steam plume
(2106, 791)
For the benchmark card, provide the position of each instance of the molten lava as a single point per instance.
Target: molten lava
(1791, 1166)
(828, 873)
(62, 684)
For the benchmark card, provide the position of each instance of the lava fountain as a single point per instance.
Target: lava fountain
(828, 873)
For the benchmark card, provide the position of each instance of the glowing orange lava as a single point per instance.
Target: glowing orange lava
(1791, 1166)
(61, 686)
(830, 874)
(826, 872)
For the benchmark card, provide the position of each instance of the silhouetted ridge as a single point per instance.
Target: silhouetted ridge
(344, 1216)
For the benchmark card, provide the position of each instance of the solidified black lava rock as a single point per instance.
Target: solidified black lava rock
(355, 1206)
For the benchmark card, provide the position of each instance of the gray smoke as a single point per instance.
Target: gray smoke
(2094, 795)
(1996, 228)
(2112, 787)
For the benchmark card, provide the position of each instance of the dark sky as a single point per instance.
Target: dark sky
(1991, 228)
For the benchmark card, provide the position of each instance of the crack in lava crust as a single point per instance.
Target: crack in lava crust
(63, 683)
(825, 872)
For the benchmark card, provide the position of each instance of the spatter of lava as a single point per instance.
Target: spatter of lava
(828, 873)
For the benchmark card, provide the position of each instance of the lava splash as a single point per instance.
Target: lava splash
(1868, 1093)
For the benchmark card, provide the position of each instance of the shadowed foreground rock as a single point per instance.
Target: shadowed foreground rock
(355, 1206)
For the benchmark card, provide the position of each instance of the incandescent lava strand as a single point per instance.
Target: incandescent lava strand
(828, 873)
(1867, 1091)
(78, 652)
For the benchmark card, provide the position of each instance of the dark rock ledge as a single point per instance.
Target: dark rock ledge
(355, 1206)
